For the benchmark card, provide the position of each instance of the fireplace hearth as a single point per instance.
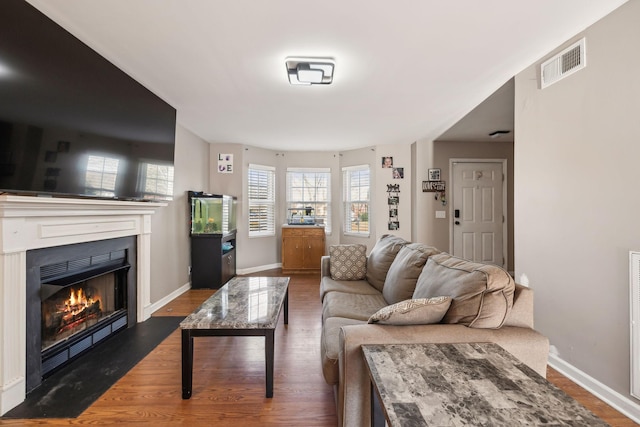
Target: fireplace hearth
(77, 296)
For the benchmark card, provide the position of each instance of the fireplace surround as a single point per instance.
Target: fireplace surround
(77, 296)
(29, 223)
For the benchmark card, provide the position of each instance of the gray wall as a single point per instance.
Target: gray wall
(576, 176)
(428, 154)
(170, 257)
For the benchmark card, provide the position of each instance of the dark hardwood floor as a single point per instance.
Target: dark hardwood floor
(228, 388)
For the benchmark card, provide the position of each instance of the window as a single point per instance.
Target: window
(156, 180)
(310, 188)
(356, 194)
(262, 200)
(100, 178)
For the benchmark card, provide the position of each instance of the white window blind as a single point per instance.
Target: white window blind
(356, 195)
(311, 188)
(261, 192)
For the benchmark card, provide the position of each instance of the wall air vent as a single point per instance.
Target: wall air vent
(563, 64)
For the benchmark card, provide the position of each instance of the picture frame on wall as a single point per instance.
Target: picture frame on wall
(434, 174)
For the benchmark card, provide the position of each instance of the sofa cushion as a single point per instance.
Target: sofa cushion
(482, 294)
(423, 311)
(381, 257)
(404, 272)
(327, 284)
(351, 306)
(348, 262)
(330, 346)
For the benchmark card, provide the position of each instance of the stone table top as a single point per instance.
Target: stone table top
(477, 384)
(243, 303)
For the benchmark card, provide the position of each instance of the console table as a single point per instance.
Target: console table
(245, 306)
(465, 384)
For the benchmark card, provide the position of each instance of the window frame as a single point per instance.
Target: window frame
(267, 203)
(348, 201)
(311, 171)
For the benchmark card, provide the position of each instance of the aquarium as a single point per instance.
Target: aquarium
(212, 213)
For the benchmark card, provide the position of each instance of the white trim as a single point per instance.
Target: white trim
(262, 167)
(505, 205)
(259, 268)
(619, 402)
(356, 167)
(166, 300)
(321, 170)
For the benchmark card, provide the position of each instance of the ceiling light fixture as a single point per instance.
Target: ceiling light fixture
(499, 133)
(310, 71)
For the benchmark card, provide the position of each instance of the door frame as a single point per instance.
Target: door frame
(505, 223)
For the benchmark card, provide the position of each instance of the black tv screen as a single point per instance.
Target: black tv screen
(72, 123)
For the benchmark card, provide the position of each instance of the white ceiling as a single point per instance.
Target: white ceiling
(406, 70)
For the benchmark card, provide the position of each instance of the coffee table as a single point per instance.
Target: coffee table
(245, 306)
(465, 384)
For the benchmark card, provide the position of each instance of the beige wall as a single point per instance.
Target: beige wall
(382, 177)
(170, 254)
(576, 196)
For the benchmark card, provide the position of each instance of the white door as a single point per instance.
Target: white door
(478, 211)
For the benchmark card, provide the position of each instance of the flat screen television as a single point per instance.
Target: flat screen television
(72, 123)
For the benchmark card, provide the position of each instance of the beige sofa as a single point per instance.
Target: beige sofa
(413, 293)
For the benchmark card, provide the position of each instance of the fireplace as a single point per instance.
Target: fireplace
(77, 296)
(55, 230)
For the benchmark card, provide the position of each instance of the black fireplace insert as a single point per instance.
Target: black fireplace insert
(77, 296)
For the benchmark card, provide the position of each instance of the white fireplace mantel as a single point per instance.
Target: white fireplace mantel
(39, 222)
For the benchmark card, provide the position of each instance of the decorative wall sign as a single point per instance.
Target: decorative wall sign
(438, 187)
(225, 163)
(434, 174)
(432, 186)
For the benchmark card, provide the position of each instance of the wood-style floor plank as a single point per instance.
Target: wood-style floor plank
(229, 382)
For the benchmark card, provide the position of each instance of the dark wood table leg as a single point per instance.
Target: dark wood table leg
(187, 363)
(286, 307)
(268, 357)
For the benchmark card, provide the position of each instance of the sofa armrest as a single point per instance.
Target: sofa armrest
(521, 314)
(354, 392)
(325, 266)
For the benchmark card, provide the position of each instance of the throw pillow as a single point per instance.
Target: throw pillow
(404, 272)
(348, 262)
(422, 311)
(482, 294)
(381, 257)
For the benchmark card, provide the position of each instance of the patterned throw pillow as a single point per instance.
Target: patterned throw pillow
(422, 311)
(348, 262)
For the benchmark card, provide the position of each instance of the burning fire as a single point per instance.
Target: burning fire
(78, 307)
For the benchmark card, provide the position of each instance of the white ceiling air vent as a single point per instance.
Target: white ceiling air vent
(563, 64)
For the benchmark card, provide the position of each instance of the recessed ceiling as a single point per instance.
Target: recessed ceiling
(405, 70)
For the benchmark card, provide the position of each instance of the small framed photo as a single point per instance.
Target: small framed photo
(50, 156)
(63, 146)
(434, 174)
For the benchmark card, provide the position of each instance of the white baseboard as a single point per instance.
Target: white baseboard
(627, 406)
(166, 300)
(259, 268)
